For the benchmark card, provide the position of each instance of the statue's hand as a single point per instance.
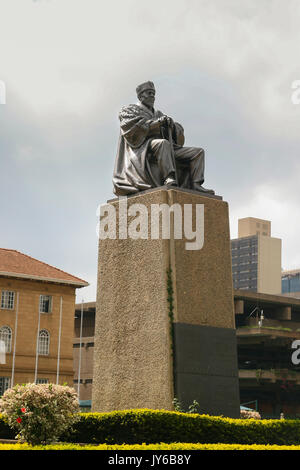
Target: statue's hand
(167, 120)
(155, 126)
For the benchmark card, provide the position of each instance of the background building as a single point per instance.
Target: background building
(36, 318)
(267, 326)
(83, 352)
(256, 257)
(290, 283)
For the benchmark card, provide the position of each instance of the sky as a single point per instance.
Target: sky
(224, 69)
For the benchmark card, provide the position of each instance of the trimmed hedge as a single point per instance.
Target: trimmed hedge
(161, 446)
(156, 426)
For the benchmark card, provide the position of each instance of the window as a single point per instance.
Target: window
(42, 381)
(4, 384)
(5, 336)
(7, 299)
(44, 342)
(45, 303)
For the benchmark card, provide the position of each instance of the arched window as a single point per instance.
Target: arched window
(44, 343)
(5, 336)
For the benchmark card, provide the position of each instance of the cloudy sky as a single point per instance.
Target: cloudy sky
(223, 68)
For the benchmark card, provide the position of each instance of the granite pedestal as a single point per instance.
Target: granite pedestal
(164, 315)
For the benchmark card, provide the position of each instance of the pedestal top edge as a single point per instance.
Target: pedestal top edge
(170, 188)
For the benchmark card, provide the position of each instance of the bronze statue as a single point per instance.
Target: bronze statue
(151, 152)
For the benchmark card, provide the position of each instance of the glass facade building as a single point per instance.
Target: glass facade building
(290, 282)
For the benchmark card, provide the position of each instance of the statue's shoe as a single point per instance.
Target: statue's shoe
(198, 187)
(170, 182)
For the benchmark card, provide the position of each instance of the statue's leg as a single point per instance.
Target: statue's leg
(193, 157)
(161, 151)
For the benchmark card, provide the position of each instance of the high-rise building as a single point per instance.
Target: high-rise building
(256, 257)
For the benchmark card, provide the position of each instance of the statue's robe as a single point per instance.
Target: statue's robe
(134, 169)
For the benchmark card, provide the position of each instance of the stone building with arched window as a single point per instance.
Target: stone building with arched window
(36, 321)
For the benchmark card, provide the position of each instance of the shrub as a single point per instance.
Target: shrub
(40, 413)
(155, 426)
(247, 414)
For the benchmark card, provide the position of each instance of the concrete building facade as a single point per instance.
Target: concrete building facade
(268, 328)
(252, 226)
(83, 351)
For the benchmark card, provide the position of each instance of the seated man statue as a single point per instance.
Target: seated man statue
(150, 150)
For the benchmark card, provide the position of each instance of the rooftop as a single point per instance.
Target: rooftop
(292, 272)
(18, 265)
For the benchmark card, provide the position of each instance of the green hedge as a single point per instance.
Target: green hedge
(162, 446)
(155, 426)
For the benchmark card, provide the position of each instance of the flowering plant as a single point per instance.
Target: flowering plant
(40, 412)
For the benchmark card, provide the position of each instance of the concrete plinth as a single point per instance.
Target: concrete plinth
(165, 314)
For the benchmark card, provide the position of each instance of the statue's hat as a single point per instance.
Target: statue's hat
(145, 86)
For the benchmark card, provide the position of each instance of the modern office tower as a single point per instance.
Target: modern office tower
(256, 257)
(290, 283)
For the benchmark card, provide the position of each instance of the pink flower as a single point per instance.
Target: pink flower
(19, 420)
(23, 410)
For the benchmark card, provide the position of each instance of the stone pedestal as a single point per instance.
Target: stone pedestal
(165, 316)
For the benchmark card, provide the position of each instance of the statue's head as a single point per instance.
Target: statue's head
(146, 93)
